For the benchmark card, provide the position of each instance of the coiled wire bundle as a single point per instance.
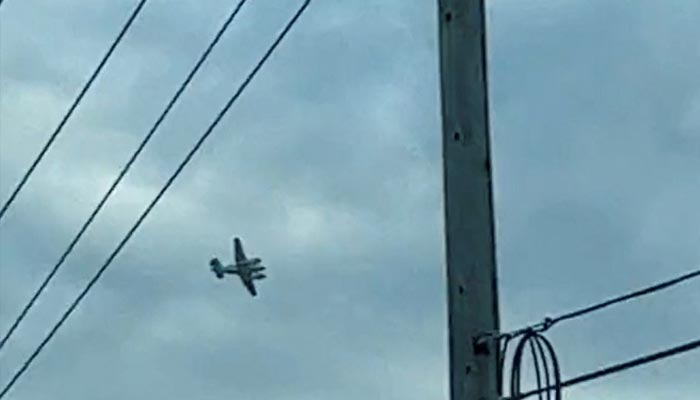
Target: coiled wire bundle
(544, 361)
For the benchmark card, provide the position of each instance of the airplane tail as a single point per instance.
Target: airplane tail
(259, 276)
(217, 268)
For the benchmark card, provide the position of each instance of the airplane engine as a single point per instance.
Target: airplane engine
(251, 261)
(259, 276)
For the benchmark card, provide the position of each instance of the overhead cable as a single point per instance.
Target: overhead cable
(72, 108)
(123, 172)
(548, 322)
(157, 198)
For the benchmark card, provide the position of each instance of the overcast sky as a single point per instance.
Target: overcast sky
(329, 168)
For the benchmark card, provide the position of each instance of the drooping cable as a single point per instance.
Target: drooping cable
(545, 364)
(123, 171)
(72, 108)
(153, 203)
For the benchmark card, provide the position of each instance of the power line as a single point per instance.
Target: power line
(629, 296)
(547, 323)
(613, 369)
(160, 194)
(123, 172)
(72, 108)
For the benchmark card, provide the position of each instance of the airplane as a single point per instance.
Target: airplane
(248, 269)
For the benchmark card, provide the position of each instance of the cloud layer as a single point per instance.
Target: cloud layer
(329, 168)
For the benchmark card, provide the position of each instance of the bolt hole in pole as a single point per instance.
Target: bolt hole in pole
(457, 136)
(448, 16)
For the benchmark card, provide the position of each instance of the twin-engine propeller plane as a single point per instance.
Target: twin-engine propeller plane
(248, 269)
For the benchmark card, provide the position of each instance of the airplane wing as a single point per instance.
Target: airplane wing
(238, 249)
(248, 283)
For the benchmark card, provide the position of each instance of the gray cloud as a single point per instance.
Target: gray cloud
(329, 167)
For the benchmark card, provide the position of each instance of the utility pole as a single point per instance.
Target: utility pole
(469, 223)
